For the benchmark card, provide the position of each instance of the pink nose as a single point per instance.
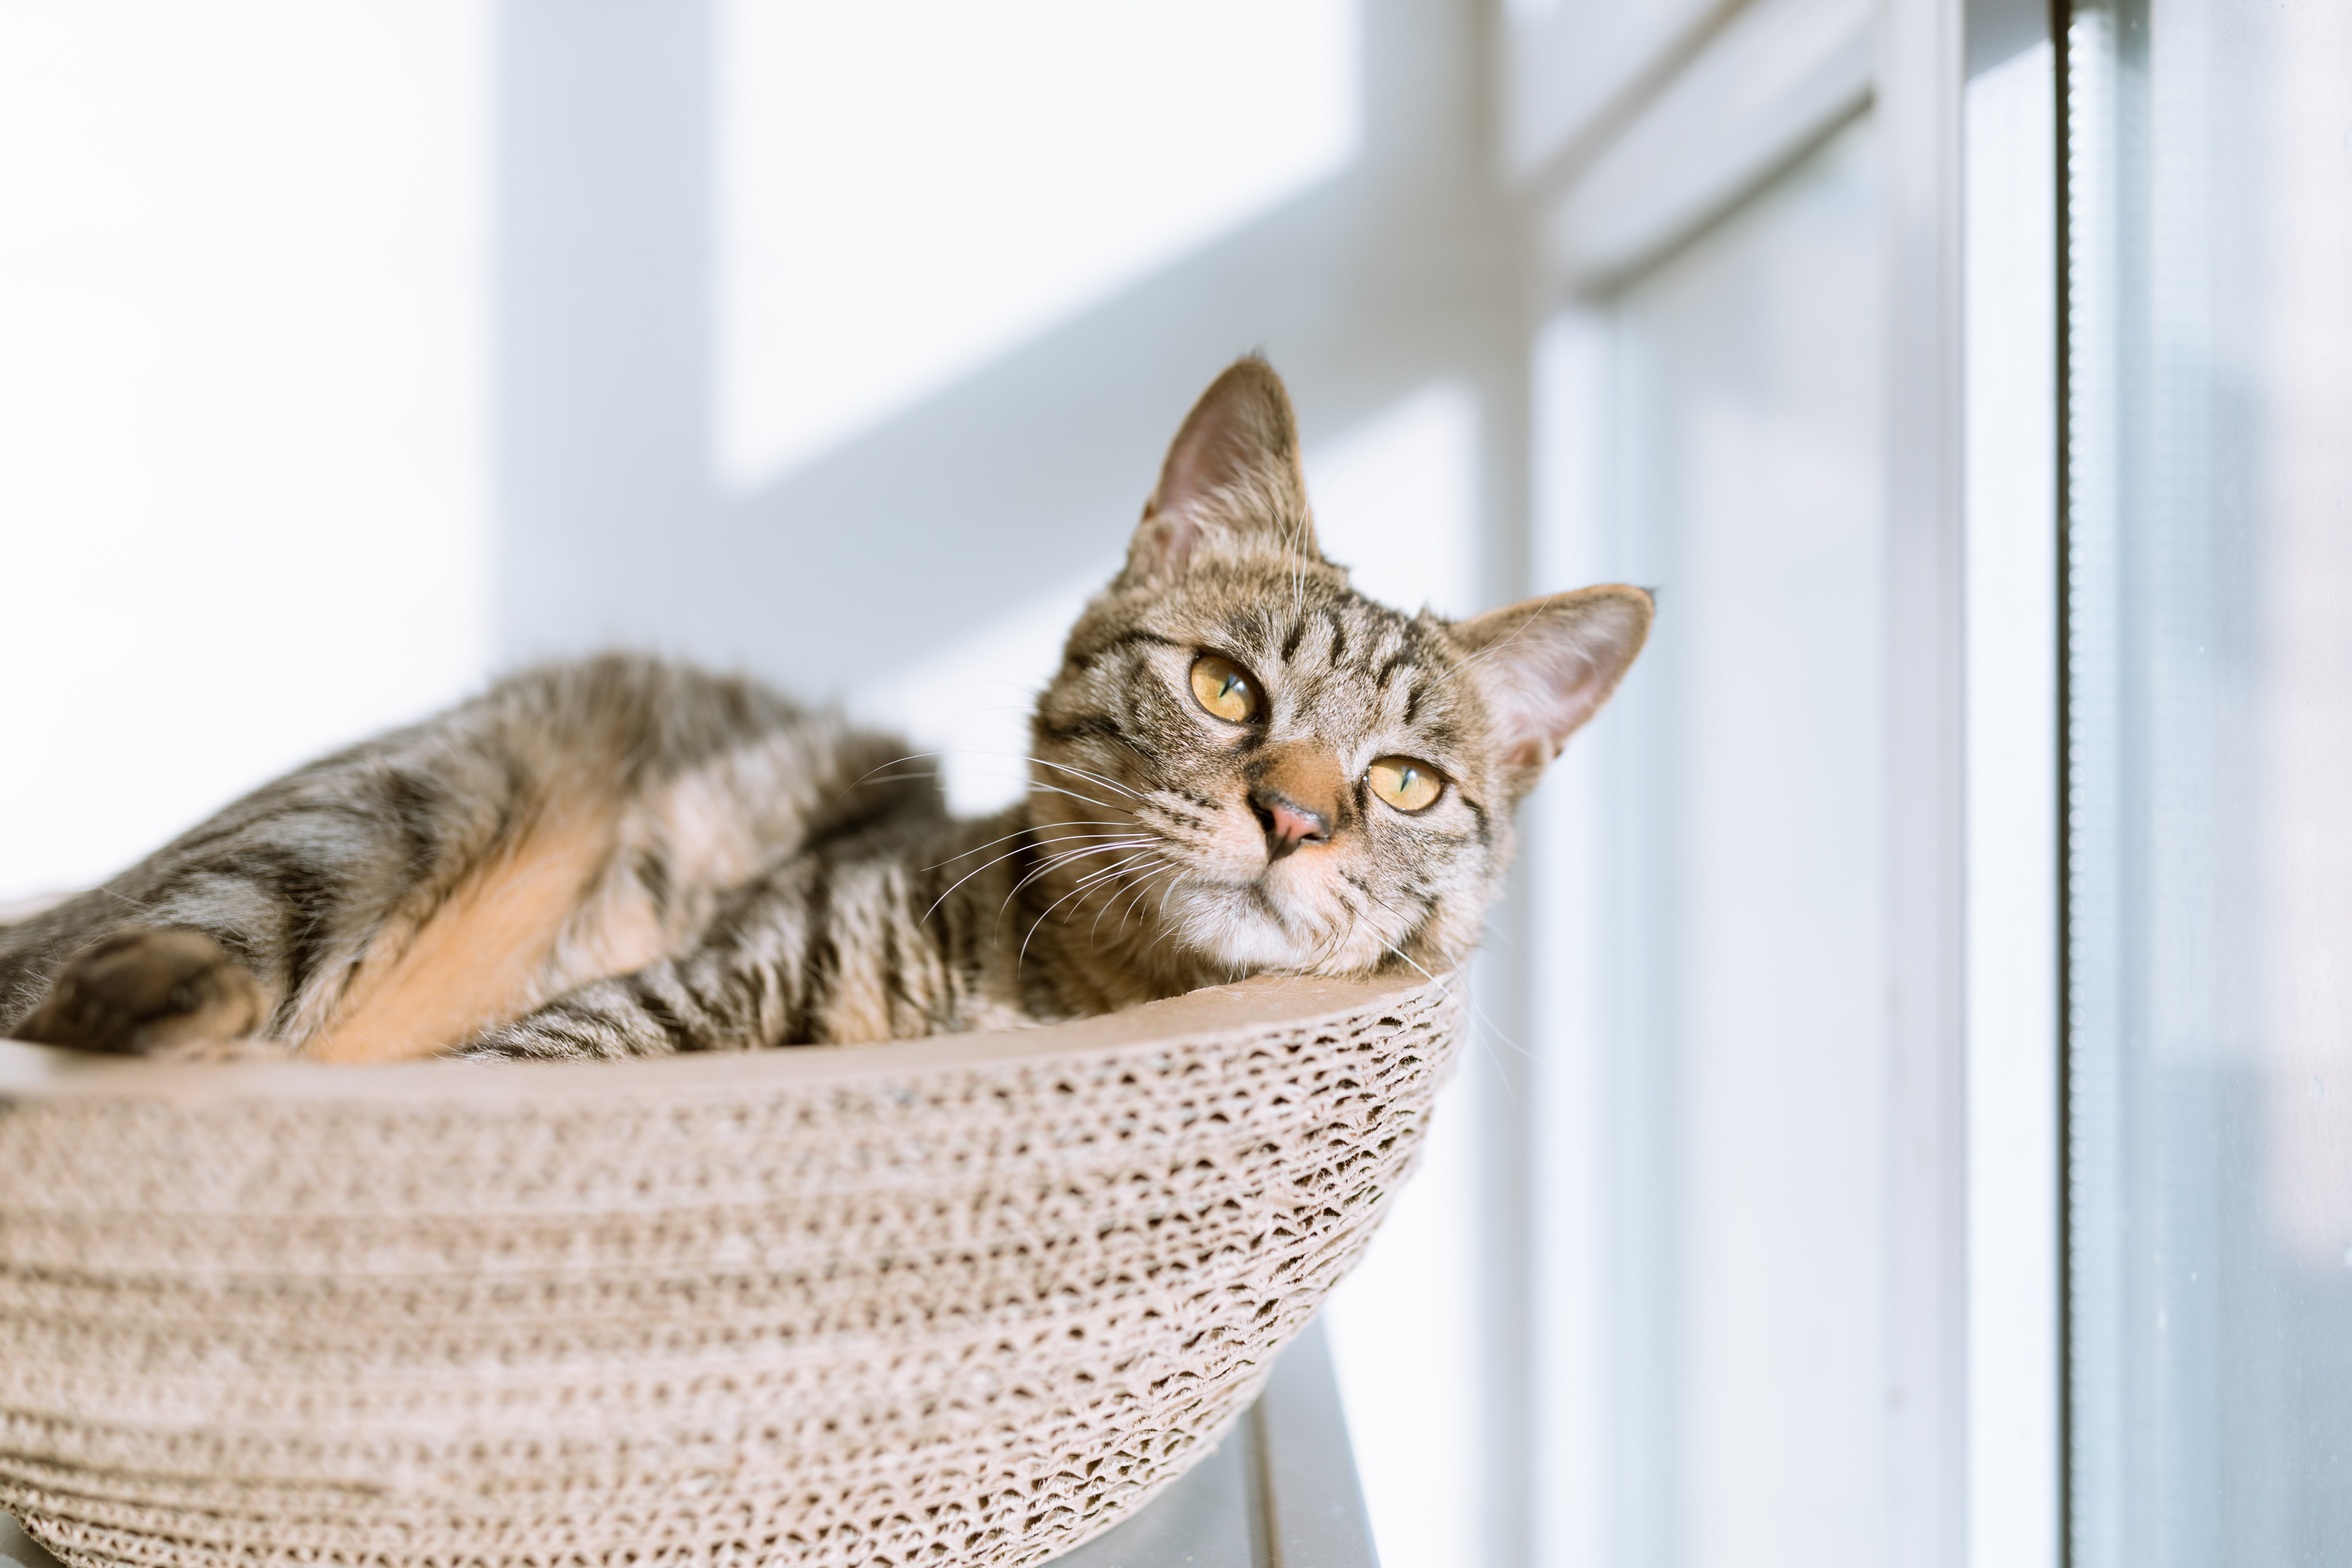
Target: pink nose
(1293, 826)
(1288, 824)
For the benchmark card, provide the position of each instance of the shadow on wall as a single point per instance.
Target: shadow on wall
(1401, 271)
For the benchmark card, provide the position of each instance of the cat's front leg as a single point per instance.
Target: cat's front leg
(153, 991)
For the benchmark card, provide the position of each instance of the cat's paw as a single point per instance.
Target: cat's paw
(150, 990)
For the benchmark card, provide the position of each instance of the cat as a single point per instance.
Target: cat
(1242, 766)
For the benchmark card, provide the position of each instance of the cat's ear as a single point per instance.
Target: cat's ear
(1546, 666)
(1232, 477)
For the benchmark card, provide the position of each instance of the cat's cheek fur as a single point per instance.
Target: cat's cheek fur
(1235, 847)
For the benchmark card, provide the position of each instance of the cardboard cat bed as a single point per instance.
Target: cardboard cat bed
(966, 1299)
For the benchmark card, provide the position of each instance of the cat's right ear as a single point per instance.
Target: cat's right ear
(1546, 665)
(1232, 477)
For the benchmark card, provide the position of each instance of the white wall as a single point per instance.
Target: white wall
(245, 492)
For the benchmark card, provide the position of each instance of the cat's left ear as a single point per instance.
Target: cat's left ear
(1231, 480)
(1546, 666)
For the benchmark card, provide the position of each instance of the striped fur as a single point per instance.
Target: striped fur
(624, 857)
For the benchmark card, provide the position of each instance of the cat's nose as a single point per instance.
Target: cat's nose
(1296, 790)
(1286, 823)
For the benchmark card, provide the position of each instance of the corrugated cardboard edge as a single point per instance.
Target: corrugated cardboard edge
(1219, 1012)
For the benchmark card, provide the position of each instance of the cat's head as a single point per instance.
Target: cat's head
(1248, 765)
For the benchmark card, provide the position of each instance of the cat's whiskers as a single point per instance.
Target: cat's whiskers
(1066, 822)
(901, 778)
(1112, 872)
(1115, 841)
(1065, 857)
(1476, 1012)
(1135, 904)
(1144, 844)
(1110, 841)
(958, 882)
(1112, 902)
(1168, 931)
(1341, 930)
(875, 775)
(868, 776)
(1077, 892)
(1084, 773)
(1058, 857)
(1135, 891)
(1057, 789)
(1106, 873)
(1480, 1014)
(998, 860)
(1024, 759)
(895, 762)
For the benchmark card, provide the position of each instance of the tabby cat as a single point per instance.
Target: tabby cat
(1242, 765)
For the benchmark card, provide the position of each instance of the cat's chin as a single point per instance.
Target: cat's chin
(1241, 927)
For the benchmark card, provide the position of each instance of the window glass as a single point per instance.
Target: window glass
(1713, 1012)
(2210, 764)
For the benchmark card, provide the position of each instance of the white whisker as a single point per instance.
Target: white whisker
(1065, 858)
(1082, 773)
(1077, 892)
(1067, 822)
(1112, 903)
(1057, 789)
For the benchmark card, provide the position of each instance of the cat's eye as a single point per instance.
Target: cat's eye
(1405, 783)
(1220, 688)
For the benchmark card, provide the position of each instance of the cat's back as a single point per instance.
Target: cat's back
(577, 817)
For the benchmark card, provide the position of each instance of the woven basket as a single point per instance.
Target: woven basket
(966, 1299)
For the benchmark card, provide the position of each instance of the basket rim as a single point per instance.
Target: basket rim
(1249, 1008)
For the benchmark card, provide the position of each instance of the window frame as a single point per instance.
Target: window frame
(1624, 142)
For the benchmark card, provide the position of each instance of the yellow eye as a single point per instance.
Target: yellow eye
(1223, 689)
(1406, 785)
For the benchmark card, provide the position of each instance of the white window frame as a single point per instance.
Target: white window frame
(1628, 128)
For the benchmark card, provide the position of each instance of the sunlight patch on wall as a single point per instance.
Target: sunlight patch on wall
(908, 188)
(243, 377)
